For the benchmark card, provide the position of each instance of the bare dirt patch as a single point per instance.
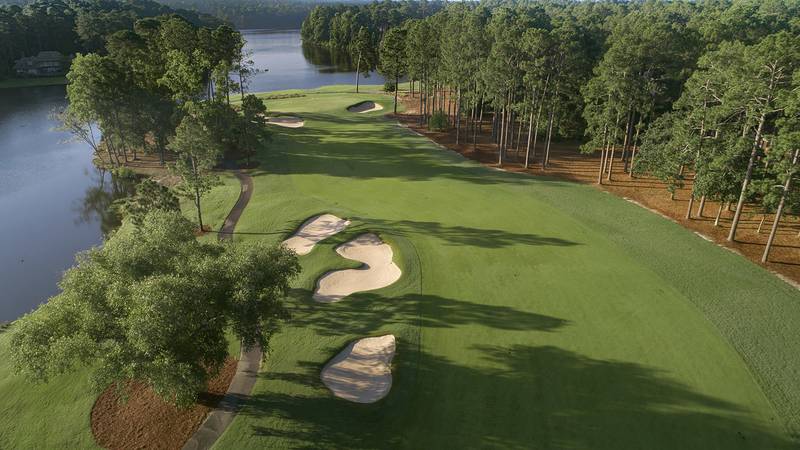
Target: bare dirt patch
(567, 162)
(146, 421)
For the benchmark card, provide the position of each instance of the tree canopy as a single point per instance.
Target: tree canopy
(72, 26)
(154, 304)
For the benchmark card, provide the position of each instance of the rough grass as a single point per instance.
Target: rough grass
(532, 313)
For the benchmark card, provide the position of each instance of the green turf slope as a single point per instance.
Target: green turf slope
(532, 313)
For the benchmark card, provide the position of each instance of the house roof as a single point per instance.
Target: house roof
(43, 58)
(50, 56)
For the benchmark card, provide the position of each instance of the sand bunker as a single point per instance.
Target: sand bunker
(365, 107)
(313, 230)
(361, 372)
(378, 270)
(287, 121)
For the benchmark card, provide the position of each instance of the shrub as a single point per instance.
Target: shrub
(124, 173)
(389, 86)
(438, 121)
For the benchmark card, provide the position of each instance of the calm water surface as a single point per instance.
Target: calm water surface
(54, 202)
(286, 64)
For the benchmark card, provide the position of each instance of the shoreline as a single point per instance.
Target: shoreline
(17, 83)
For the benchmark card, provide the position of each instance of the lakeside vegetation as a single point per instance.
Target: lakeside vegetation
(163, 86)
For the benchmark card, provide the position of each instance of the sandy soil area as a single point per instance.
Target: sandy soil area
(313, 230)
(362, 372)
(286, 121)
(378, 271)
(365, 107)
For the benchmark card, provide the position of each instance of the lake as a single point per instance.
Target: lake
(286, 64)
(54, 202)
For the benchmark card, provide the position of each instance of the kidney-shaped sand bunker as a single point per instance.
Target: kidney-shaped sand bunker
(313, 230)
(378, 270)
(362, 372)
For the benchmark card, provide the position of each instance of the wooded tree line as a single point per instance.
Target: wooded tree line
(247, 14)
(72, 26)
(358, 30)
(705, 91)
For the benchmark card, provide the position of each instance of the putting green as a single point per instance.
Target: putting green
(531, 313)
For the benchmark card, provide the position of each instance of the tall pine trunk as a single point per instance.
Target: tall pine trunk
(753, 153)
(458, 114)
(358, 71)
(786, 186)
(396, 88)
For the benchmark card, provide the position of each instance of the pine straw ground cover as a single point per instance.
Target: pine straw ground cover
(532, 312)
(145, 421)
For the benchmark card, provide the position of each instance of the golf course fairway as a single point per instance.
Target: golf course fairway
(531, 313)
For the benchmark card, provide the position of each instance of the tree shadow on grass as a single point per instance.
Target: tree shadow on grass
(460, 235)
(366, 313)
(360, 149)
(515, 397)
(451, 235)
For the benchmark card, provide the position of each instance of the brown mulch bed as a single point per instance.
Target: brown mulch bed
(567, 162)
(146, 421)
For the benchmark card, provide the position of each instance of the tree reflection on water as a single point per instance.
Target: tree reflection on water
(97, 203)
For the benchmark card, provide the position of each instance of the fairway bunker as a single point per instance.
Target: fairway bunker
(365, 107)
(287, 121)
(314, 230)
(361, 372)
(378, 271)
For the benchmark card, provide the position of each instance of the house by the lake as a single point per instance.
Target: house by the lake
(44, 64)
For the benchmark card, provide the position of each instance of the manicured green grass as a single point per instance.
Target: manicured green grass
(32, 82)
(532, 313)
(52, 415)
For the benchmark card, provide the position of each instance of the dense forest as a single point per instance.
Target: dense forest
(72, 26)
(707, 91)
(248, 14)
(338, 25)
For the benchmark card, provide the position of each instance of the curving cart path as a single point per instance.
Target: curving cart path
(249, 362)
